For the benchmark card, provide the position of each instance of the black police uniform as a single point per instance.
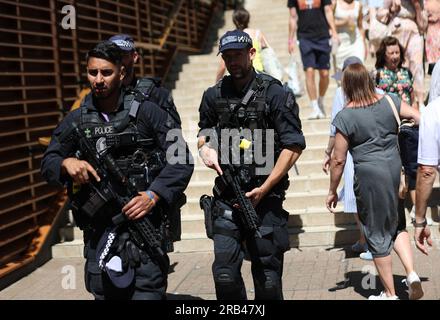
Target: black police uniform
(152, 124)
(267, 252)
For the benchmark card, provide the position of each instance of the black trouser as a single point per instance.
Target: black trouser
(266, 253)
(150, 283)
(409, 144)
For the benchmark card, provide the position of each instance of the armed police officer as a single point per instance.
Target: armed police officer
(148, 86)
(248, 111)
(112, 155)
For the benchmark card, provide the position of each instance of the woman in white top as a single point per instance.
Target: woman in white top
(348, 20)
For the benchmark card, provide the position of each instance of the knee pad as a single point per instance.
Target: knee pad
(224, 277)
(226, 287)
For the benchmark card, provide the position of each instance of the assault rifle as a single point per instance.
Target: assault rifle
(230, 180)
(142, 231)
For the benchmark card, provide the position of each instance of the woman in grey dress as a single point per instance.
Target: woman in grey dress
(367, 127)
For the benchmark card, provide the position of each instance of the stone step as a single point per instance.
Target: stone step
(279, 44)
(187, 86)
(190, 125)
(190, 86)
(305, 168)
(70, 249)
(201, 68)
(197, 224)
(189, 105)
(208, 65)
(303, 183)
(313, 153)
(294, 200)
(323, 237)
(193, 86)
(313, 227)
(318, 139)
(198, 242)
(211, 61)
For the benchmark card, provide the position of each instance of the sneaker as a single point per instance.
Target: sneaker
(316, 114)
(383, 296)
(321, 106)
(366, 256)
(358, 247)
(415, 291)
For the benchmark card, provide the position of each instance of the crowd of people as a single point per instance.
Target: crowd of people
(367, 133)
(126, 189)
(365, 130)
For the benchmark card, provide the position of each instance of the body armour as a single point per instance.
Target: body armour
(138, 159)
(246, 115)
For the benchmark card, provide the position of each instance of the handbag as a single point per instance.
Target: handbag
(403, 186)
(293, 79)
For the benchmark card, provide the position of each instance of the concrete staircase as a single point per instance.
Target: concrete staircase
(310, 224)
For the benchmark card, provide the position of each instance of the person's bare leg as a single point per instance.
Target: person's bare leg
(412, 213)
(310, 84)
(323, 86)
(384, 267)
(323, 82)
(402, 246)
(361, 234)
(412, 194)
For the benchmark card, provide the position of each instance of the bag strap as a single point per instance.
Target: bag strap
(396, 115)
(393, 107)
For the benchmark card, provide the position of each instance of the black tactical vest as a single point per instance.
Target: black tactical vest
(250, 112)
(121, 139)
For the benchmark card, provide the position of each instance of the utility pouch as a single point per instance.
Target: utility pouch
(96, 201)
(221, 189)
(206, 204)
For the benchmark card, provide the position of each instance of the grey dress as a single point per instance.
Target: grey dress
(372, 136)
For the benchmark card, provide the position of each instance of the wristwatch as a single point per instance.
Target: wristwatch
(419, 225)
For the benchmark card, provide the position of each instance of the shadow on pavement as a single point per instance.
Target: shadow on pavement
(172, 267)
(349, 254)
(364, 284)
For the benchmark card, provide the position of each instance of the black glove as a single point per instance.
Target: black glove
(129, 253)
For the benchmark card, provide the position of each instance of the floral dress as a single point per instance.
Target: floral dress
(399, 82)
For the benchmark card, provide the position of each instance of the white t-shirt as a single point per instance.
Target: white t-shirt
(434, 91)
(429, 134)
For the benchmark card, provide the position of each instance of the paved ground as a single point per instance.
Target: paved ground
(310, 274)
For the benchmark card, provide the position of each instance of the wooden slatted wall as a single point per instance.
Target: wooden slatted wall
(41, 71)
